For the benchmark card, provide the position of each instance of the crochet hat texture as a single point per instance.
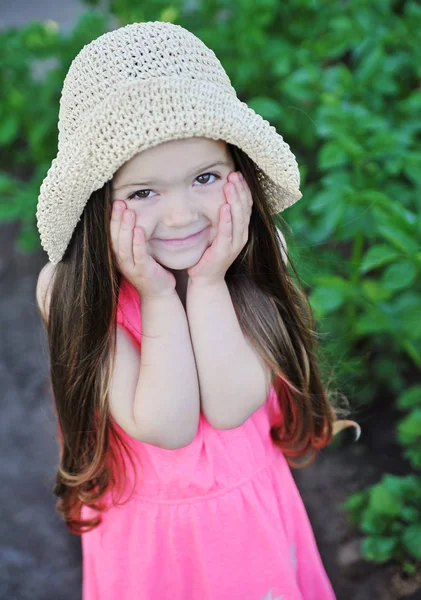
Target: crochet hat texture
(136, 87)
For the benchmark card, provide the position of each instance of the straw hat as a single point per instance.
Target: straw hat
(136, 87)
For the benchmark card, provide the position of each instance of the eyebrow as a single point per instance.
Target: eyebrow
(224, 163)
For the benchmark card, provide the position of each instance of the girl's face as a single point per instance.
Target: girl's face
(176, 190)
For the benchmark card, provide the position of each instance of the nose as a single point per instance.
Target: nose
(180, 210)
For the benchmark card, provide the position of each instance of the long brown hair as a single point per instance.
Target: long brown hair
(272, 311)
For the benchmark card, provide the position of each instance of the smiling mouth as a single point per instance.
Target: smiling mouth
(184, 241)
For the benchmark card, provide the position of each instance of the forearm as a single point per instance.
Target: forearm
(167, 393)
(232, 378)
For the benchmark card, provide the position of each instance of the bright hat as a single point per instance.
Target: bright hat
(136, 87)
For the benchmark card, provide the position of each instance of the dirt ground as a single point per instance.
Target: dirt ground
(40, 560)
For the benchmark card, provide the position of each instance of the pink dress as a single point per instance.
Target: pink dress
(220, 519)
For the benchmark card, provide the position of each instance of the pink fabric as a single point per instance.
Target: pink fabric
(220, 519)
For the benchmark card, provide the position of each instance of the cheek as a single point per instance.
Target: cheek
(214, 206)
(145, 221)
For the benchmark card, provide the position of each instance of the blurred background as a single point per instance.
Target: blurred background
(342, 82)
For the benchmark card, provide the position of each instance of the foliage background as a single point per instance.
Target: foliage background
(341, 82)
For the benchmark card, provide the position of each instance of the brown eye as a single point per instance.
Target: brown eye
(207, 175)
(137, 192)
(147, 197)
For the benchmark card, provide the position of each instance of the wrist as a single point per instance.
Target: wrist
(158, 297)
(206, 282)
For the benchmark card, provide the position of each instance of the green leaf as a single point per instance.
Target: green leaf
(385, 367)
(334, 282)
(356, 503)
(411, 104)
(332, 155)
(325, 300)
(327, 223)
(385, 210)
(410, 514)
(169, 14)
(380, 548)
(411, 322)
(409, 567)
(399, 275)
(351, 146)
(410, 397)
(371, 65)
(408, 300)
(28, 239)
(9, 128)
(390, 231)
(301, 84)
(373, 322)
(384, 502)
(6, 183)
(409, 428)
(278, 56)
(322, 201)
(374, 523)
(268, 108)
(375, 291)
(377, 256)
(339, 179)
(412, 167)
(413, 455)
(336, 78)
(411, 540)
(403, 487)
(9, 212)
(408, 310)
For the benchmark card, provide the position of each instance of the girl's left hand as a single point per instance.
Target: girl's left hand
(232, 235)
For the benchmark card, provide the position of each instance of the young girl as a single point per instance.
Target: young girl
(183, 363)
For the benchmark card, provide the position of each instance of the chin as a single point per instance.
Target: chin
(179, 260)
(178, 263)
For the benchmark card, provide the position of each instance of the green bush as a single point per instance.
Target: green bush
(29, 105)
(341, 82)
(389, 513)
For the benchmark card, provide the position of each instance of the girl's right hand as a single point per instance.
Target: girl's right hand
(136, 265)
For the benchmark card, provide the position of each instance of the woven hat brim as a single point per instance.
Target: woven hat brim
(129, 121)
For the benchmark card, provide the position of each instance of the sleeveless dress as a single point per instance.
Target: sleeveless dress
(220, 519)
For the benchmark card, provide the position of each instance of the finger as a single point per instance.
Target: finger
(125, 239)
(237, 211)
(226, 220)
(224, 234)
(115, 223)
(245, 194)
(246, 201)
(139, 245)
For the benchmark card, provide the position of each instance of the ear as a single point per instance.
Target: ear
(43, 291)
(282, 245)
